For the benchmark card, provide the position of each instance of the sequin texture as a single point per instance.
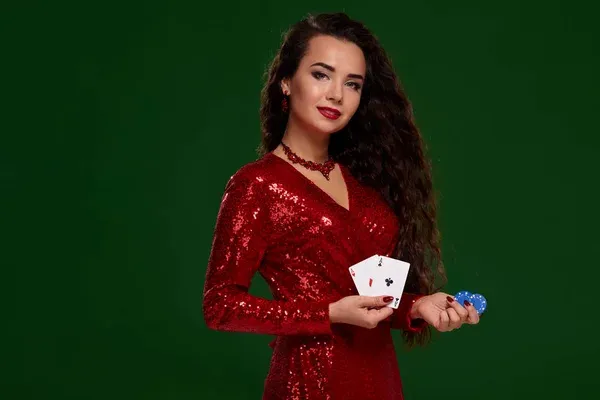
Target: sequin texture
(274, 221)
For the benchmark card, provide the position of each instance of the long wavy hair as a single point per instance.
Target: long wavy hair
(381, 145)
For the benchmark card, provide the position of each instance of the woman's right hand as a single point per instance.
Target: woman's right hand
(363, 311)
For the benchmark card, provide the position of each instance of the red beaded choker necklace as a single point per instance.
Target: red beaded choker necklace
(324, 168)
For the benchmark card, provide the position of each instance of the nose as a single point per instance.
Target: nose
(335, 93)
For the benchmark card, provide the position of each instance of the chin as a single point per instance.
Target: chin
(325, 132)
(328, 128)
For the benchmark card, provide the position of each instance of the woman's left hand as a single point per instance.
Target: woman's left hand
(441, 311)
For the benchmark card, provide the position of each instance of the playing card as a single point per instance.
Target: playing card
(362, 275)
(389, 276)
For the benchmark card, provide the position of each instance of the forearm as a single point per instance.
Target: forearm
(231, 308)
(405, 316)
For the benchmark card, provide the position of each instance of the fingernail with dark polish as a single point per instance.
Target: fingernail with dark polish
(450, 299)
(467, 303)
(387, 299)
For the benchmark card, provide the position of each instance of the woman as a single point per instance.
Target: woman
(342, 176)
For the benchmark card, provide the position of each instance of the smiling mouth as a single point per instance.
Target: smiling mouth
(330, 113)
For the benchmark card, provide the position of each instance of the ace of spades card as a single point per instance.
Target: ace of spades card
(389, 277)
(381, 276)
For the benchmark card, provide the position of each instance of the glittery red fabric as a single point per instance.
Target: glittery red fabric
(275, 221)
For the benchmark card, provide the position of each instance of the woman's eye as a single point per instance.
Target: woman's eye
(319, 75)
(354, 85)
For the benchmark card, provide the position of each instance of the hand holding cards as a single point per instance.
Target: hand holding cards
(380, 275)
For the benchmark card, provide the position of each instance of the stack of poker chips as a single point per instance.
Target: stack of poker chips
(478, 301)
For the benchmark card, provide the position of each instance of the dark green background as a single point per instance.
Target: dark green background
(122, 122)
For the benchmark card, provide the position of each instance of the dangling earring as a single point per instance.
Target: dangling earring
(284, 103)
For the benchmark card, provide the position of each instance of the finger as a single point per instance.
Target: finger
(473, 314)
(385, 312)
(382, 312)
(459, 309)
(374, 301)
(455, 321)
(376, 316)
(444, 321)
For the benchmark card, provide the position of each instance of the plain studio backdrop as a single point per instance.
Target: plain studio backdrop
(122, 122)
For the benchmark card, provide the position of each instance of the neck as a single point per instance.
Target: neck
(306, 144)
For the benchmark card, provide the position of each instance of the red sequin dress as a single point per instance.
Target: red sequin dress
(275, 221)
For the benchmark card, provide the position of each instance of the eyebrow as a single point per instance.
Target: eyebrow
(329, 67)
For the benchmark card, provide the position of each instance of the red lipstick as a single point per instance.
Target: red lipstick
(330, 113)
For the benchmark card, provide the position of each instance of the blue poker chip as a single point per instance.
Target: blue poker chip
(479, 302)
(460, 297)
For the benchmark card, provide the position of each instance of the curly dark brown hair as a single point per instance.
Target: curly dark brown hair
(381, 145)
